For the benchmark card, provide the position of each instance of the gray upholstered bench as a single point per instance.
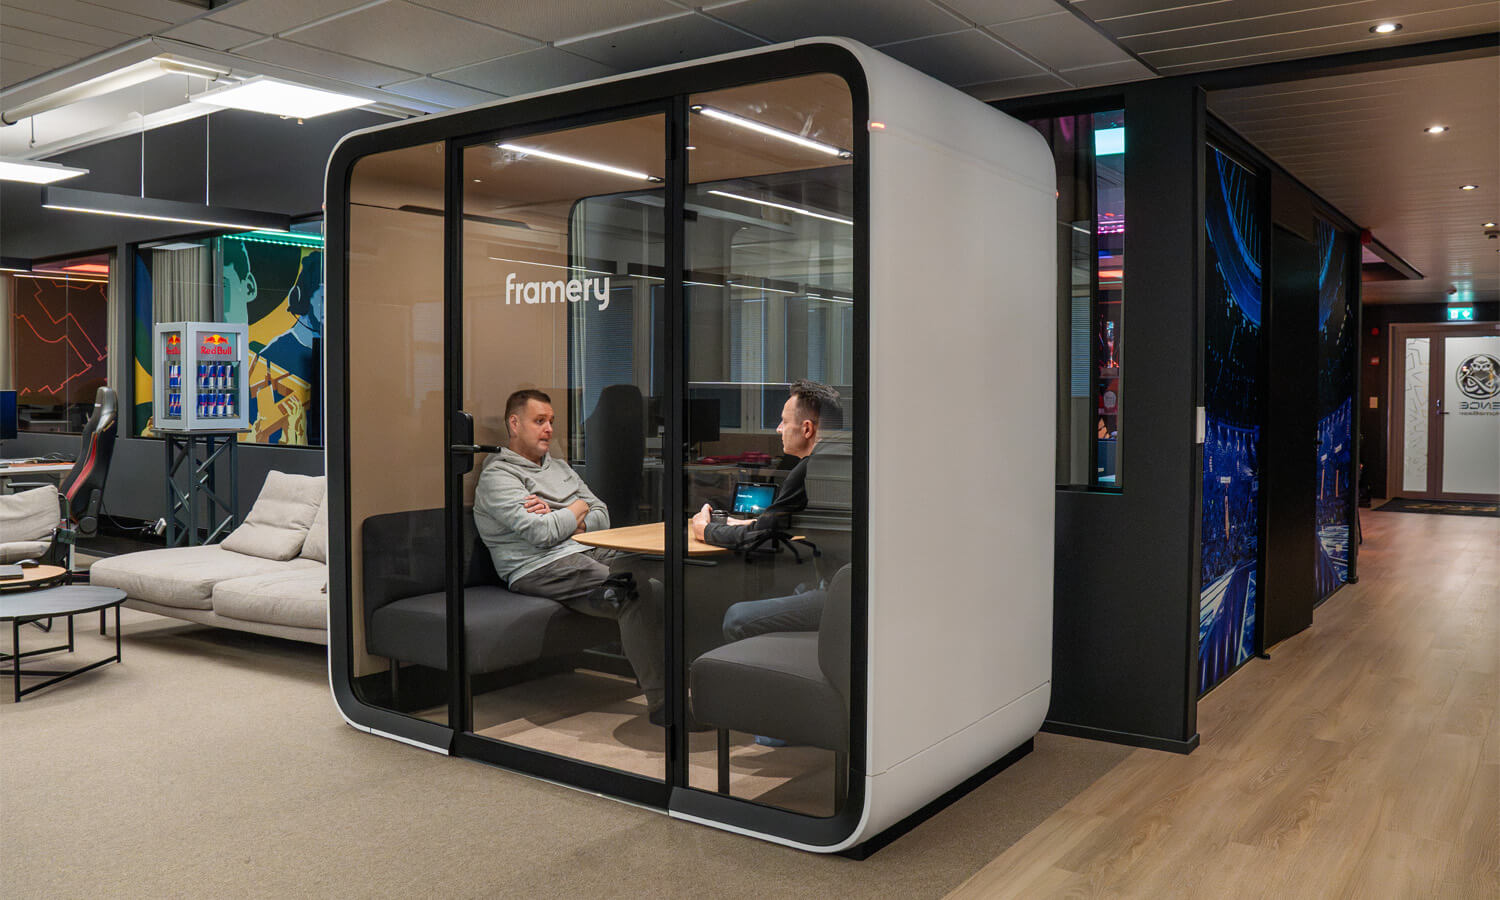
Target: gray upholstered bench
(406, 617)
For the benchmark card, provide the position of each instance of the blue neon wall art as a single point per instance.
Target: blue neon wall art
(1336, 477)
(1233, 401)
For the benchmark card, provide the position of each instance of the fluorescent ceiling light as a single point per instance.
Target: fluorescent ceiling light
(772, 131)
(576, 161)
(33, 172)
(796, 209)
(128, 207)
(279, 98)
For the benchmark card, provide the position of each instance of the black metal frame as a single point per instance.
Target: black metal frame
(196, 454)
(16, 654)
(667, 92)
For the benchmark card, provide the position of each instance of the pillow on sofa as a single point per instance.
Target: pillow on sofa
(277, 525)
(316, 545)
(29, 515)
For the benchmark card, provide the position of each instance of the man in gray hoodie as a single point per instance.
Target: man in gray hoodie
(527, 507)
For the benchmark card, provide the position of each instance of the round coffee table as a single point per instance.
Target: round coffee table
(18, 608)
(33, 578)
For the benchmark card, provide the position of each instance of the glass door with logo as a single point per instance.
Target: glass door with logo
(558, 462)
(1445, 428)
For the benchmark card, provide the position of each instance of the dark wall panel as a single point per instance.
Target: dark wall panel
(1126, 615)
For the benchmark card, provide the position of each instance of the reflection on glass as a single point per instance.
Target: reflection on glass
(1089, 150)
(55, 336)
(563, 248)
(395, 437)
(771, 396)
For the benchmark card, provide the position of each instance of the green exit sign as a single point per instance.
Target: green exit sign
(1460, 313)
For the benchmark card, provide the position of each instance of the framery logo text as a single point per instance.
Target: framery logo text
(571, 291)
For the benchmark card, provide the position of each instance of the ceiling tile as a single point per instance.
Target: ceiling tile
(436, 90)
(15, 72)
(321, 62)
(685, 37)
(557, 20)
(214, 35)
(165, 10)
(1024, 86)
(411, 37)
(50, 43)
(533, 70)
(1062, 41)
(276, 16)
(968, 57)
(97, 16)
(24, 53)
(871, 21)
(1108, 73)
(993, 12)
(63, 27)
(1258, 22)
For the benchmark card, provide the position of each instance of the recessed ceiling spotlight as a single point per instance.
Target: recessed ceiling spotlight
(1436, 129)
(1489, 224)
(1469, 187)
(1386, 28)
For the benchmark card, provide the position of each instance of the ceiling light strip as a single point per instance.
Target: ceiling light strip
(795, 209)
(578, 161)
(33, 171)
(152, 209)
(772, 131)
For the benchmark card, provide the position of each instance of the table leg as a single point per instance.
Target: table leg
(15, 656)
(101, 621)
(70, 632)
(117, 630)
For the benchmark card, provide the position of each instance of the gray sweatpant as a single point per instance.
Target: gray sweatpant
(571, 581)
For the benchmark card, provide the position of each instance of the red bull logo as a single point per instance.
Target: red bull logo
(216, 345)
(174, 345)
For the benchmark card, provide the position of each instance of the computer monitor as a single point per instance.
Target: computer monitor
(9, 417)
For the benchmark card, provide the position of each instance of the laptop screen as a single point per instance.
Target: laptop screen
(752, 498)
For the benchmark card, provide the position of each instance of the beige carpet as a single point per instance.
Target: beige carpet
(213, 763)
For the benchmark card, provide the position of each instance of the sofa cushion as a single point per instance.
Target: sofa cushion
(182, 576)
(316, 545)
(277, 525)
(16, 551)
(29, 515)
(287, 597)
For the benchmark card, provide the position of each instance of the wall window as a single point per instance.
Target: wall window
(1089, 150)
(271, 281)
(57, 341)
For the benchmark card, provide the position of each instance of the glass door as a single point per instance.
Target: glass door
(559, 364)
(1469, 424)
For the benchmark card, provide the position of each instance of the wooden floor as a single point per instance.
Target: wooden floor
(1361, 760)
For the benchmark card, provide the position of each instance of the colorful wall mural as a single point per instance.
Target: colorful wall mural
(60, 336)
(1233, 400)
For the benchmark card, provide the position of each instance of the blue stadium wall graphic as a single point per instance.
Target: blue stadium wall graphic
(1233, 400)
(1335, 447)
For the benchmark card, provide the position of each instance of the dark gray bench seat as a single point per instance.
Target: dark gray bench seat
(406, 616)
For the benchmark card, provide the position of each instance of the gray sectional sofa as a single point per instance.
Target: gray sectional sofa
(269, 576)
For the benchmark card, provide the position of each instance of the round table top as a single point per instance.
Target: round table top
(59, 601)
(32, 577)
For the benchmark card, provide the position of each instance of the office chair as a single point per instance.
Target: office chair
(84, 485)
(615, 451)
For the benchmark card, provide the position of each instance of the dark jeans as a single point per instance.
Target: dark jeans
(572, 581)
(801, 611)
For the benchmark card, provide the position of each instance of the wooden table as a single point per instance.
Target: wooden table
(649, 540)
(34, 577)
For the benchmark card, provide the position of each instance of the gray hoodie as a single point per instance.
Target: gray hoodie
(521, 542)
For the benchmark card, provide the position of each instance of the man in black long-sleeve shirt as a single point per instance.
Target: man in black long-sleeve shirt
(802, 417)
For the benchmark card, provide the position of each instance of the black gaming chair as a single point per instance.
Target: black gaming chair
(84, 485)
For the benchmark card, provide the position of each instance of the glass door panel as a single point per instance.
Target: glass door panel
(563, 243)
(770, 317)
(395, 421)
(1471, 416)
(1415, 416)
